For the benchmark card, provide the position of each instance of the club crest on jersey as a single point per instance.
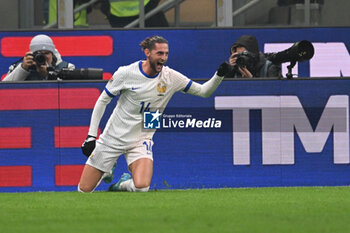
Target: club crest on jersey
(161, 89)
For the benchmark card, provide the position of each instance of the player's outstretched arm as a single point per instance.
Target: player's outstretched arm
(99, 109)
(207, 88)
(98, 112)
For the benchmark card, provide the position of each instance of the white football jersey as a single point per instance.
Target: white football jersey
(138, 92)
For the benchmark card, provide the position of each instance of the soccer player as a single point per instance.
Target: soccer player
(144, 85)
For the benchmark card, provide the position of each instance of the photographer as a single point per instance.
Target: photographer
(247, 61)
(35, 63)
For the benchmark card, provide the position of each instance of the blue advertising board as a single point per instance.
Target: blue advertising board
(226, 140)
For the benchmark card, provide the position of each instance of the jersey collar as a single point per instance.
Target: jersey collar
(146, 75)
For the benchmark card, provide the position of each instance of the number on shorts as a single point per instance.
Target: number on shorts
(148, 146)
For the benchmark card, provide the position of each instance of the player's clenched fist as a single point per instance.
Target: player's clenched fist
(223, 69)
(88, 145)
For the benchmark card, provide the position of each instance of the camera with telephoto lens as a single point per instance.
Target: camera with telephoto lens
(39, 58)
(246, 59)
(76, 74)
(300, 51)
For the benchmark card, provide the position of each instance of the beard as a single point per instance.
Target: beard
(156, 66)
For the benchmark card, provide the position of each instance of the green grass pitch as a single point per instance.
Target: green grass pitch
(253, 210)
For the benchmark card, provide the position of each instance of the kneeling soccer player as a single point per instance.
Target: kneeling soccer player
(144, 85)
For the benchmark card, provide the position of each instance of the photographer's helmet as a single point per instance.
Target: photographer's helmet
(42, 42)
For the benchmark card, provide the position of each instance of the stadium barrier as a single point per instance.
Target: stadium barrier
(250, 133)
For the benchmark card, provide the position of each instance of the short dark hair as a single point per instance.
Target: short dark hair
(150, 42)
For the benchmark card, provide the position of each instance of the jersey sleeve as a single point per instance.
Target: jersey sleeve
(206, 89)
(180, 81)
(116, 83)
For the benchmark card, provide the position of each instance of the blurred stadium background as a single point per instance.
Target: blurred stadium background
(30, 14)
(276, 133)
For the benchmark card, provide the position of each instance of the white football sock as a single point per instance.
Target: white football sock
(79, 190)
(129, 186)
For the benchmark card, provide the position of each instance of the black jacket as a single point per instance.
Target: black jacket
(261, 67)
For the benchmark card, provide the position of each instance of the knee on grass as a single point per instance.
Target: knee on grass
(85, 188)
(145, 189)
(141, 186)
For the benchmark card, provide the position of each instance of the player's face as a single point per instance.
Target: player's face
(158, 56)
